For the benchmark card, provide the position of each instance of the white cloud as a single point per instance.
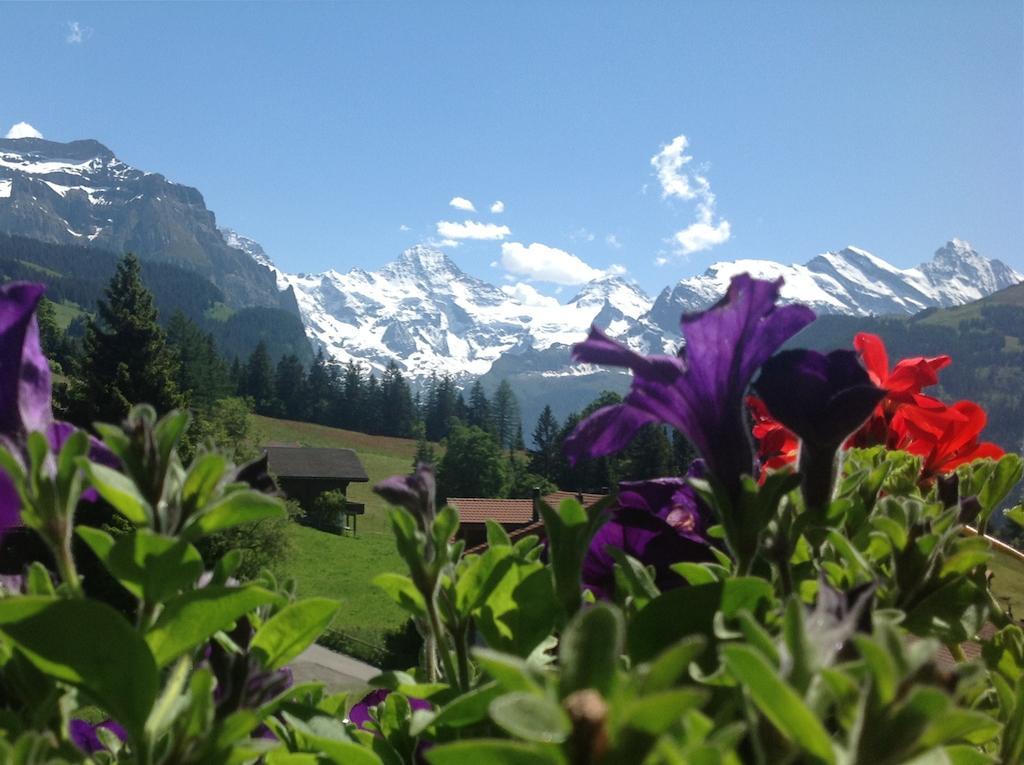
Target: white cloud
(471, 229)
(528, 295)
(23, 130)
(403, 227)
(498, 207)
(549, 264)
(449, 243)
(461, 203)
(77, 33)
(613, 241)
(701, 236)
(582, 234)
(679, 182)
(660, 261)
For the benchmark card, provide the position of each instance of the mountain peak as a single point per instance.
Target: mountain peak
(423, 263)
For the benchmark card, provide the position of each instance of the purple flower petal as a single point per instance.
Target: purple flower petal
(822, 398)
(701, 392)
(360, 714)
(643, 536)
(414, 492)
(24, 372)
(10, 504)
(85, 735)
(671, 499)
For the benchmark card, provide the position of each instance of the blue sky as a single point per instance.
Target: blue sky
(337, 134)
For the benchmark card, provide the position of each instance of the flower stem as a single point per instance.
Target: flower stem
(817, 475)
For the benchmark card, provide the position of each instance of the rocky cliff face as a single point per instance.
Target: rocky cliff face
(81, 193)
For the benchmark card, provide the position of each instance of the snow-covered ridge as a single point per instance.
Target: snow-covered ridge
(424, 312)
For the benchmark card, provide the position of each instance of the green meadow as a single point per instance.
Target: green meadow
(343, 567)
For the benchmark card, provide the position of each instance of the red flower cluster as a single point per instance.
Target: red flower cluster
(943, 436)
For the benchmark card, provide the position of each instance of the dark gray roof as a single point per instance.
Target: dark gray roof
(315, 462)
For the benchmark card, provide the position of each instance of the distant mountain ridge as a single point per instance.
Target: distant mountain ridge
(427, 314)
(80, 193)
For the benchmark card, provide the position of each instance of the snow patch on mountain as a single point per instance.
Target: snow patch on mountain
(424, 312)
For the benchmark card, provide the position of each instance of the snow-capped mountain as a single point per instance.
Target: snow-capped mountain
(422, 311)
(851, 281)
(430, 316)
(81, 193)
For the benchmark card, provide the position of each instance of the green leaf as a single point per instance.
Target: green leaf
(238, 507)
(691, 611)
(90, 645)
(402, 591)
(120, 491)
(511, 672)
(520, 612)
(590, 649)
(1007, 474)
(147, 564)
(204, 474)
(194, 617)
(496, 535)
(477, 578)
(663, 673)
(467, 709)
(291, 630)
(491, 752)
(171, 702)
(38, 581)
(656, 713)
(531, 717)
(777, 701)
(694, 573)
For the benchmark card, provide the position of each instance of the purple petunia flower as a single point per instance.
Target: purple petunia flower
(416, 492)
(25, 391)
(85, 735)
(671, 499)
(361, 714)
(700, 391)
(822, 398)
(646, 537)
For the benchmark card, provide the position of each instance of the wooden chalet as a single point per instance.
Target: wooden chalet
(304, 473)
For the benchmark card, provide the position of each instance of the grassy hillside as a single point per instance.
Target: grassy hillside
(344, 567)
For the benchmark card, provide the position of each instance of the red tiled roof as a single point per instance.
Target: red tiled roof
(510, 511)
(477, 510)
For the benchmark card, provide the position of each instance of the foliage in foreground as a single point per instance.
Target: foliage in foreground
(795, 619)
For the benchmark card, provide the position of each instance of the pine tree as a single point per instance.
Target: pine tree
(127, 360)
(319, 389)
(258, 380)
(649, 454)
(290, 387)
(507, 420)
(202, 376)
(347, 405)
(396, 403)
(424, 449)
(546, 443)
(478, 410)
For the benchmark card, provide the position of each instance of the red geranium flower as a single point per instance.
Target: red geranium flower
(903, 386)
(945, 438)
(776, 445)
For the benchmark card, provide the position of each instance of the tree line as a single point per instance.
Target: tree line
(125, 356)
